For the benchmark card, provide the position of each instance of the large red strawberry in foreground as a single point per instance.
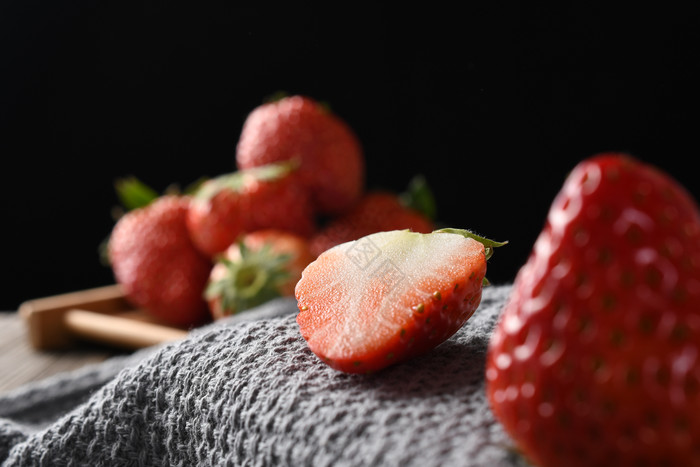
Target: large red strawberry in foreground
(300, 128)
(157, 264)
(596, 359)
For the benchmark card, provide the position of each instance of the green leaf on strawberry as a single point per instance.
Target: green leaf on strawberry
(488, 243)
(263, 197)
(252, 280)
(419, 197)
(235, 181)
(260, 266)
(133, 193)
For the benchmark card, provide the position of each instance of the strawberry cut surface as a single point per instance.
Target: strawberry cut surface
(388, 296)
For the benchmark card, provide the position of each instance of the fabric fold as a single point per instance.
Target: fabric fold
(247, 391)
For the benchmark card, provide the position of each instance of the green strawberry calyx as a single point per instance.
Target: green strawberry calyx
(489, 244)
(234, 181)
(276, 96)
(133, 193)
(419, 197)
(253, 279)
(274, 170)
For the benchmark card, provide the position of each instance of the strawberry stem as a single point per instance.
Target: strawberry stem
(234, 181)
(274, 170)
(488, 243)
(133, 193)
(419, 197)
(275, 97)
(194, 186)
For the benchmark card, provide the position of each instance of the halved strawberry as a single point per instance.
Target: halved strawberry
(376, 301)
(260, 266)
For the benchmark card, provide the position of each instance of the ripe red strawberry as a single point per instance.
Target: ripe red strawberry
(261, 266)
(377, 211)
(298, 127)
(154, 260)
(389, 296)
(266, 197)
(596, 359)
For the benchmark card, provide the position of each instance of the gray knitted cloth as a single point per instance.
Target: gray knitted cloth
(247, 391)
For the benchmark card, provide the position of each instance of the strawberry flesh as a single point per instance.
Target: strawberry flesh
(389, 296)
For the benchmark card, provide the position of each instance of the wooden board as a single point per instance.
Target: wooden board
(100, 315)
(20, 363)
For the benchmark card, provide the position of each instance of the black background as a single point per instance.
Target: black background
(494, 104)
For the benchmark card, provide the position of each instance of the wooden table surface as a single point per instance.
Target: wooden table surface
(20, 363)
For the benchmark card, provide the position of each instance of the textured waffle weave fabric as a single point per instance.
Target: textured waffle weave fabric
(247, 391)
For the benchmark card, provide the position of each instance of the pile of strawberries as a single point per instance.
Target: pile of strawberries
(595, 359)
(244, 237)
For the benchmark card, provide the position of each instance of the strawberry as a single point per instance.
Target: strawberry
(379, 211)
(596, 358)
(261, 265)
(389, 296)
(298, 127)
(266, 197)
(154, 260)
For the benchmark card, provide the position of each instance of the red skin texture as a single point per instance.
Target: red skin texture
(595, 360)
(281, 243)
(215, 223)
(282, 204)
(375, 212)
(297, 127)
(155, 262)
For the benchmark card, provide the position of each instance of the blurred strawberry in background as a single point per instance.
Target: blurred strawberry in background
(260, 266)
(297, 127)
(246, 235)
(265, 197)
